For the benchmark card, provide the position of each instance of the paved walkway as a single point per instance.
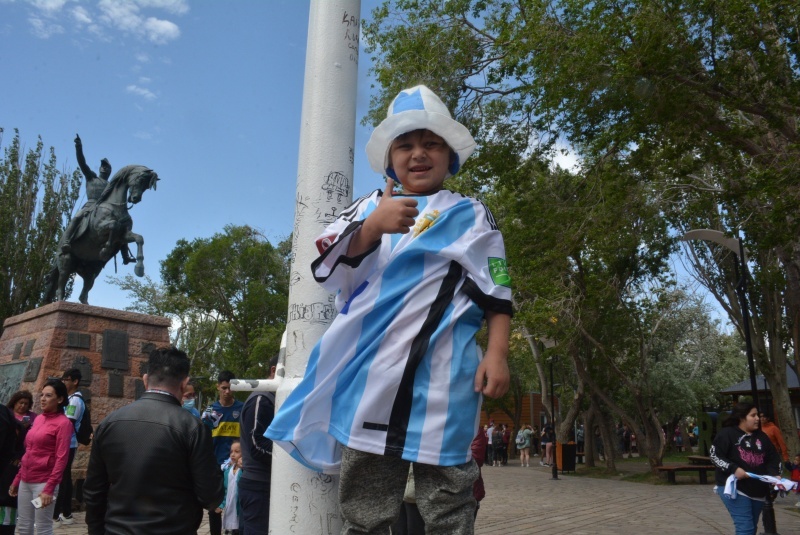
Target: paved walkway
(525, 501)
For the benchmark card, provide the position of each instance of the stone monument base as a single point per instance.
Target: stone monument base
(109, 346)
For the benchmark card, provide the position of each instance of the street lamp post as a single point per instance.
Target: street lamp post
(737, 248)
(553, 423)
(548, 344)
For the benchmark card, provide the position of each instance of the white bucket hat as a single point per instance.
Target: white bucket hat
(415, 109)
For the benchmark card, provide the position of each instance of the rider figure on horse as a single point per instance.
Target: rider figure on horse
(94, 188)
(95, 185)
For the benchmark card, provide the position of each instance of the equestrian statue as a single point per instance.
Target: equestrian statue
(101, 228)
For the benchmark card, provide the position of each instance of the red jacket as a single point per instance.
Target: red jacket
(774, 434)
(478, 446)
(46, 451)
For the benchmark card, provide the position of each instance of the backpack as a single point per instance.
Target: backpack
(520, 438)
(84, 434)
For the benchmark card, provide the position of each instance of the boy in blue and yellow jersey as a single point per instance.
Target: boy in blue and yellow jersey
(398, 376)
(223, 419)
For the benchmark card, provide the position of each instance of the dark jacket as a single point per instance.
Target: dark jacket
(733, 448)
(10, 452)
(151, 471)
(257, 414)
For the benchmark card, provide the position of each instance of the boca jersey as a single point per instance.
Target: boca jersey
(394, 373)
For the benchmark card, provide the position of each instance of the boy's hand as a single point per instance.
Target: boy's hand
(492, 378)
(392, 216)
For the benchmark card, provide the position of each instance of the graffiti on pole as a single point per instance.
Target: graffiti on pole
(351, 24)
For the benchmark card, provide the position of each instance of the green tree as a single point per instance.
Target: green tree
(36, 200)
(239, 280)
(193, 329)
(698, 100)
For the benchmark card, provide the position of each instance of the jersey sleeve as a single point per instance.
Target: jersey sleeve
(481, 252)
(333, 269)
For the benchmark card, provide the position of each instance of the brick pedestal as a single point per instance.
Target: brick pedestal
(109, 346)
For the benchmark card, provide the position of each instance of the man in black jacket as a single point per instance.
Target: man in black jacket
(152, 468)
(257, 414)
(10, 451)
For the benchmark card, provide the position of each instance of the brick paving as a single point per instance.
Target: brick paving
(525, 501)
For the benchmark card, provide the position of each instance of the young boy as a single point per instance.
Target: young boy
(398, 376)
(232, 473)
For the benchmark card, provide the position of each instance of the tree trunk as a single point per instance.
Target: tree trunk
(588, 434)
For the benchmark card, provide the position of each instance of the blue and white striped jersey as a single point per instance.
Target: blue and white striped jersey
(394, 373)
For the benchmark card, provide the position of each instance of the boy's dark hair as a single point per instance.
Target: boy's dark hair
(274, 361)
(74, 374)
(225, 376)
(61, 391)
(167, 366)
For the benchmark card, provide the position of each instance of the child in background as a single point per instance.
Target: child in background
(794, 468)
(232, 472)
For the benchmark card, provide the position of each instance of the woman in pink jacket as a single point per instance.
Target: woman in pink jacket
(46, 455)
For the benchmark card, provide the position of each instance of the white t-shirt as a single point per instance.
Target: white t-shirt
(230, 514)
(74, 411)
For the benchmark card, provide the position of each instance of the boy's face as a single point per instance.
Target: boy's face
(420, 160)
(225, 394)
(236, 452)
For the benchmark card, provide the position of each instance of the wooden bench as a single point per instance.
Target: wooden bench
(699, 459)
(672, 470)
(579, 456)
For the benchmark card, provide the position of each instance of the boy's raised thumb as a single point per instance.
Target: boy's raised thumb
(389, 187)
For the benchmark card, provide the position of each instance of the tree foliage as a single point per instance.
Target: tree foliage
(227, 296)
(684, 115)
(36, 201)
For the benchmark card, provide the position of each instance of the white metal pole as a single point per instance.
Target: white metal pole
(305, 502)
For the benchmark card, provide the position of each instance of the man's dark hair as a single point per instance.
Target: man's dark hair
(274, 360)
(225, 376)
(74, 374)
(168, 366)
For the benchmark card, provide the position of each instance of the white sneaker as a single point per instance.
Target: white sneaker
(65, 520)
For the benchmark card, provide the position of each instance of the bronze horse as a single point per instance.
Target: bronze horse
(102, 233)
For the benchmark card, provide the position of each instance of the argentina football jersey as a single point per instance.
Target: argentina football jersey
(394, 373)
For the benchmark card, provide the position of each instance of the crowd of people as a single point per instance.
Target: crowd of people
(154, 465)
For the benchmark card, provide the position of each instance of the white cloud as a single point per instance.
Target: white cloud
(81, 16)
(44, 29)
(179, 7)
(126, 15)
(141, 57)
(161, 31)
(567, 159)
(141, 91)
(48, 6)
(50, 17)
(144, 80)
(120, 14)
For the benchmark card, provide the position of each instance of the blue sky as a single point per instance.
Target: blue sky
(206, 93)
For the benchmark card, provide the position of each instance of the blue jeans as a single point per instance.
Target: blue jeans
(743, 511)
